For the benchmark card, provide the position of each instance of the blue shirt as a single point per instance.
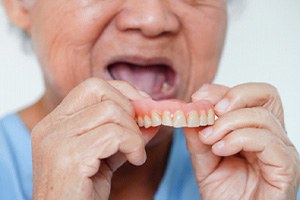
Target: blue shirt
(178, 182)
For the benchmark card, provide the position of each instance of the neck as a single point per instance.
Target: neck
(35, 113)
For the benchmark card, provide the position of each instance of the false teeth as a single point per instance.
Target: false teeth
(193, 119)
(156, 119)
(179, 119)
(140, 121)
(173, 112)
(210, 117)
(203, 119)
(167, 119)
(147, 121)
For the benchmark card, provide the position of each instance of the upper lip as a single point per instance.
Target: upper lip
(141, 61)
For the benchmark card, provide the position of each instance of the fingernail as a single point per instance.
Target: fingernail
(207, 132)
(222, 106)
(201, 93)
(219, 145)
(144, 94)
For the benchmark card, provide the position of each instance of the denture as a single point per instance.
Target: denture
(174, 113)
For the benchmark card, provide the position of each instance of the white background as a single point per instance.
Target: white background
(263, 45)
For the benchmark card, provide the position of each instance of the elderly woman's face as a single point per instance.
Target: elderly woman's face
(167, 48)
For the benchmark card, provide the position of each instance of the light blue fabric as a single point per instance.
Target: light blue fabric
(15, 160)
(178, 182)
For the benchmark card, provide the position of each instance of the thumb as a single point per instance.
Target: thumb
(203, 159)
(211, 92)
(149, 133)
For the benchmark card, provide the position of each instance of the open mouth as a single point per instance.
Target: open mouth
(156, 79)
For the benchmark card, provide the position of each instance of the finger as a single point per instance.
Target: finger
(203, 159)
(149, 133)
(103, 113)
(109, 139)
(117, 160)
(97, 115)
(211, 92)
(134, 94)
(129, 90)
(278, 162)
(90, 92)
(269, 148)
(257, 117)
(251, 95)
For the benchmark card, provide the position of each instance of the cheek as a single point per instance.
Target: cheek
(63, 34)
(205, 36)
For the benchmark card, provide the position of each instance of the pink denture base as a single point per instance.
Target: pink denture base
(145, 107)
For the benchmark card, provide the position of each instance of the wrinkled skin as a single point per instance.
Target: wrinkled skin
(78, 138)
(79, 145)
(246, 154)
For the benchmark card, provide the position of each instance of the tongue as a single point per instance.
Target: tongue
(146, 78)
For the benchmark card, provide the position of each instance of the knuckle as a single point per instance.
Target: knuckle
(273, 94)
(234, 94)
(87, 166)
(115, 132)
(237, 91)
(261, 113)
(266, 115)
(257, 111)
(116, 109)
(94, 86)
(271, 88)
(112, 110)
(272, 139)
(241, 139)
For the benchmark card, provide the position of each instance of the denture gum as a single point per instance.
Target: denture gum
(174, 113)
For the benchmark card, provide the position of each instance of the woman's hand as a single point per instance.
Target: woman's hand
(246, 154)
(79, 145)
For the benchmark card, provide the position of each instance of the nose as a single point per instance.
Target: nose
(151, 18)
